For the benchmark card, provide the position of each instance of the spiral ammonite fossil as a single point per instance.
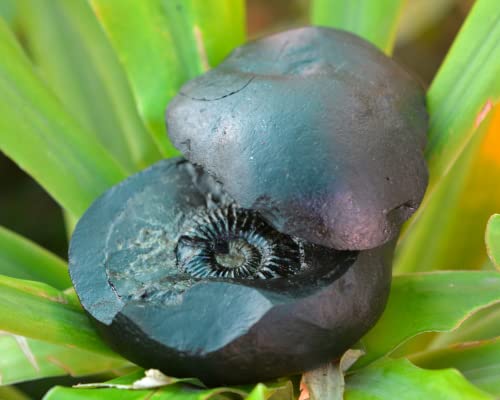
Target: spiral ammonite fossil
(231, 242)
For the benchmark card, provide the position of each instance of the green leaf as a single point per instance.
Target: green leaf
(483, 325)
(179, 40)
(216, 40)
(169, 392)
(201, 43)
(280, 390)
(26, 359)
(449, 232)
(376, 21)
(138, 32)
(427, 302)
(38, 311)
(39, 135)
(83, 70)
(493, 239)
(465, 88)
(399, 379)
(12, 393)
(23, 259)
(478, 361)
(8, 10)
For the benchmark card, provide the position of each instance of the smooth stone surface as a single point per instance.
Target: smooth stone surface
(316, 129)
(223, 331)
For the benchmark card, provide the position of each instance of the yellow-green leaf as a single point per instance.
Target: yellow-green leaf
(376, 21)
(428, 302)
(40, 136)
(465, 87)
(479, 361)
(39, 311)
(449, 233)
(23, 259)
(169, 392)
(75, 58)
(179, 40)
(26, 359)
(399, 379)
(493, 239)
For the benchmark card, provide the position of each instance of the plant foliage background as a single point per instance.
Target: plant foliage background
(83, 89)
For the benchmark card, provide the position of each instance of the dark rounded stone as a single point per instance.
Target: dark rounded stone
(128, 258)
(316, 129)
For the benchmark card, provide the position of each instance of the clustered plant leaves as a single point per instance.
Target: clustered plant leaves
(84, 87)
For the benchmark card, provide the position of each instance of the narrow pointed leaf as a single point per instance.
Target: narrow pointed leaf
(427, 302)
(39, 135)
(138, 32)
(464, 93)
(23, 259)
(27, 359)
(493, 239)
(201, 43)
(217, 40)
(179, 40)
(465, 88)
(376, 21)
(86, 75)
(478, 361)
(399, 379)
(449, 234)
(39, 311)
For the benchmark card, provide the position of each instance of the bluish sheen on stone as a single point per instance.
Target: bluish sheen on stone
(221, 330)
(316, 129)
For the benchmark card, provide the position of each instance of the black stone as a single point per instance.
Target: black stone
(123, 263)
(316, 129)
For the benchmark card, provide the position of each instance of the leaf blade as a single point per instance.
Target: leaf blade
(85, 74)
(23, 259)
(375, 21)
(38, 134)
(493, 239)
(179, 40)
(399, 379)
(478, 361)
(170, 392)
(48, 360)
(426, 302)
(229, 32)
(38, 311)
(133, 29)
(449, 231)
(464, 88)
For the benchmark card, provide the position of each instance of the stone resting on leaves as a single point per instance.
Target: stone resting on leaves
(267, 250)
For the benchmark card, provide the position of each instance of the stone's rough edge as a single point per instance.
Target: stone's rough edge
(88, 243)
(353, 117)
